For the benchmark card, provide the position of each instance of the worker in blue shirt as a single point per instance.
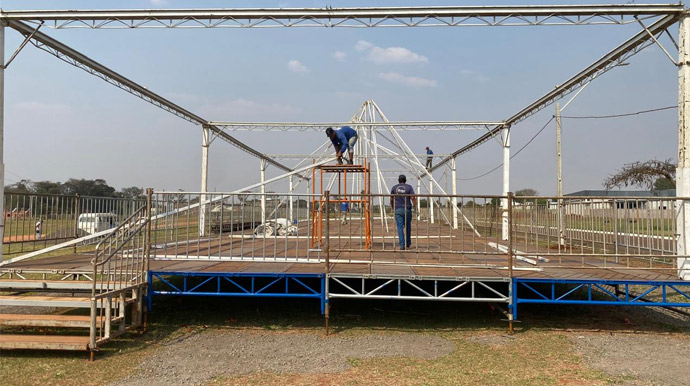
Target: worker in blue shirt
(343, 139)
(429, 158)
(402, 202)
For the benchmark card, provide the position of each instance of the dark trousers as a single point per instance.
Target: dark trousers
(403, 218)
(428, 163)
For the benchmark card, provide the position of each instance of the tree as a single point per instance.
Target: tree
(132, 192)
(644, 174)
(83, 187)
(526, 192)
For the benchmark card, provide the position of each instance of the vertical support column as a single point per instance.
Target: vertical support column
(683, 170)
(263, 165)
(291, 198)
(431, 201)
(455, 192)
(205, 143)
(2, 135)
(419, 202)
(506, 182)
(559, 179)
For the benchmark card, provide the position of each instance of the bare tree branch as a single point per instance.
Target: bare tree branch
(642, 174)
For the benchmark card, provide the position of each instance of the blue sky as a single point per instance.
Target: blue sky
(62, 122)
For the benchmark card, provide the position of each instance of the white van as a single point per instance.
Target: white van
(96, 222)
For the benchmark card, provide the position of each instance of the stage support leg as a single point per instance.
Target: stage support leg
(683, 170)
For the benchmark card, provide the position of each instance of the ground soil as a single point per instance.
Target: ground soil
(641, 359)
(197, 358)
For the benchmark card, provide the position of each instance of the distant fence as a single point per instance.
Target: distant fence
(35, 221)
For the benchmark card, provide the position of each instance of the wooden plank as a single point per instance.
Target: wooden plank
(44, 342)
(66, 321)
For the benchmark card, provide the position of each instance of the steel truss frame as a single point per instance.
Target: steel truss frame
(612, 59)
(460, 289)
(310, 126)
(599, 292)
(81, 61)
(239, 284)
(353, 17)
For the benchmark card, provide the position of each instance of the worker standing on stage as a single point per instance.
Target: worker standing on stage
(343, 139)
(429, 158)
(402, 202)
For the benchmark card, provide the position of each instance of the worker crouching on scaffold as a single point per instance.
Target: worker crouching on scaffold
(343, 139)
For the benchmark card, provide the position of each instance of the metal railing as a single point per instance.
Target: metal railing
(235, 226)
(36, 221)
(119, 279)
(463, 231)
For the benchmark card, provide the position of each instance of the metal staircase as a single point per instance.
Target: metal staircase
(89, 311)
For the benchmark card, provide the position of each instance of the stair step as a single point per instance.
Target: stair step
(64, 321)
(44, 342)
(51, 285)
(51, 301)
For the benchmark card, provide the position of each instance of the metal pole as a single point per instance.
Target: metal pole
(263, 190)
(510, 251)
(419, 202)
(2, 135)
(431, 201)
(506, 181)
(291, 200)
(205, 142)
(683, 170)
(455, 192)
(559, 179)
(327, 268)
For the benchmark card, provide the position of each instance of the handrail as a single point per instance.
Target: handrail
(114, 232)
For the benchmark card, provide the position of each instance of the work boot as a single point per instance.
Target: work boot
(349, 162)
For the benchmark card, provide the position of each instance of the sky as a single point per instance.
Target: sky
(61, 122)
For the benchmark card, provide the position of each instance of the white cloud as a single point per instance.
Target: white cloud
(411, 81)
(248, 110)
(363, 45)
(296, 66)
(380, 55)
(388, 55)
(159, 2)
(339, 56)
(476, 76)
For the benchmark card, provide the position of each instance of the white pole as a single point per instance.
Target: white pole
(506, 181)
(205, 142)
(430, 203)
(419, 203)
(291, 200)
(2, 136)
(455, 192)
(683, 170)
(263, 190)
(559, 178)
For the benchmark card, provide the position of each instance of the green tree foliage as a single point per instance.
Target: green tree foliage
(132, 192)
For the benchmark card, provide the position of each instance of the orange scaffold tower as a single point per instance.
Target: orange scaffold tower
(339, 194)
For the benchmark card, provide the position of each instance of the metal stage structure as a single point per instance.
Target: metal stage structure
(628, 251)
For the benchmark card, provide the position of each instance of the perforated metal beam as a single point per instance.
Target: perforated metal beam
(79, 60)
(612, 59)
(363, 17)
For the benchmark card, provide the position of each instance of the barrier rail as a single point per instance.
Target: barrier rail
(36, 221)
(635, 233)
(119, 279)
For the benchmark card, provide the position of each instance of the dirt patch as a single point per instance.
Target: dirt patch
(197, 358)
(645, 359)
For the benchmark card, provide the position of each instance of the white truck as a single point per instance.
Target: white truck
(96, 222)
